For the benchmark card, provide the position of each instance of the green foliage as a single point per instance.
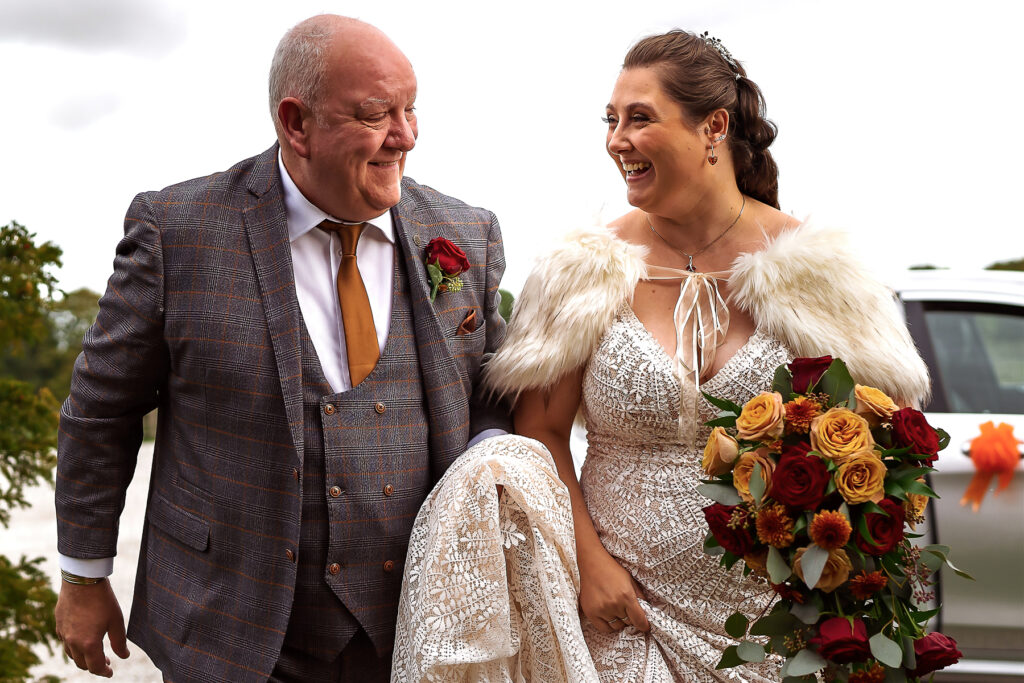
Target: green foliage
(28, 437)
(507, 301)
(1013, 264)
(26, 617)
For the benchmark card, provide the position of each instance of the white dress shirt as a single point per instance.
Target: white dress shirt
(316, 257)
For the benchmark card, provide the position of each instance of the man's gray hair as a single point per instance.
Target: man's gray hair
(300, 66)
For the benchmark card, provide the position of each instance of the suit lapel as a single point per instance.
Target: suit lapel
(447, 403)
(266, 225)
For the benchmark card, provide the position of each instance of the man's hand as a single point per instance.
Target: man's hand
(84, 614)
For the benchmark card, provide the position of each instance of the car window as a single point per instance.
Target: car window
(980, 356)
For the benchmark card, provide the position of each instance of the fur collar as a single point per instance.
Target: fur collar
(804, 288)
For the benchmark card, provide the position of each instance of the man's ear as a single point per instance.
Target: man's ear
(295, 119)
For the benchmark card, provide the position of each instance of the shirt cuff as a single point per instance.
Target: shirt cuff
(90, 569)
(486, 434)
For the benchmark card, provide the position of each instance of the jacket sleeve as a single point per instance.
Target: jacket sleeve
(486, 412)
(117, 380)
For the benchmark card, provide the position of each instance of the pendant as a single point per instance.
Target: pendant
(689, 266)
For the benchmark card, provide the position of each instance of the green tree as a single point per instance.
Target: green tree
(1014, 264)
(28, 440)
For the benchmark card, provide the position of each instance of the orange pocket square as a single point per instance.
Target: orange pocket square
(468, 325)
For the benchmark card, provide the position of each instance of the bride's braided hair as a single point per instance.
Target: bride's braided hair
(698, 76)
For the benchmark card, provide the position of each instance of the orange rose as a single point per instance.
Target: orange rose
(836, 571)
(745, 469)
(761, 418)
(861, 478)
(873, 405)
(840, 433)
(720, 452)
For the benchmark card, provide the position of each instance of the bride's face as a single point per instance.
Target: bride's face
(655, 148)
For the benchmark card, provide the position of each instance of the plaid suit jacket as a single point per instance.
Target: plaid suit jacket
(200, 319)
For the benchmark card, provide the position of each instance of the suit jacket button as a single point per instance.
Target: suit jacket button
(389, 489)
(290, 555)
(295, 473)
(389, 566)
(334, 568)
(380, 408)
(329, 409)
(335, 491)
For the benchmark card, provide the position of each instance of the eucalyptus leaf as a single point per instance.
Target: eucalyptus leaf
(804, 662)
(750, 652)
(776, 623)
(844, 510)
(757, 485)
(909, 656)
(813, 563)
(808, 613)
(778, 569)
(736, 626)
(720, 493)
(729, 658)
(945, 559)
(885, 650)
(724, 404)
(896, 676)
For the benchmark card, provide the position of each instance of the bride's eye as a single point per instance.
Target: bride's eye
(610, 120)
(640, 118)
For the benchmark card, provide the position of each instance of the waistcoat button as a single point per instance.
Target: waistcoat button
(380, 408)
(388, 566)
(389, 489)
(289, 554)
(329, 409)
(334, 568)
(335, 491)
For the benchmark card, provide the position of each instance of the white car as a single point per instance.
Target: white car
(969, 328)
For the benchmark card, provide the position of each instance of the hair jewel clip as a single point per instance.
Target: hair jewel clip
(721, 49)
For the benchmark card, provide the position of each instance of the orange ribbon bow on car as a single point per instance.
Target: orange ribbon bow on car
(993, 452)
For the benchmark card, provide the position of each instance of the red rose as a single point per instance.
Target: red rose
(446, 256)
(807, 371)
(842, 643)
(799, 480)
(911, 429)
(933, 652)
(734, 538)
(887, 531)
(798, 448)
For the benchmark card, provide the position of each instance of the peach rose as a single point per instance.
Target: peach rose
(836, 572)
(761, 418)
(861, 478)
(720, 452)
(840, 433)
(873, 405)
(744, 469)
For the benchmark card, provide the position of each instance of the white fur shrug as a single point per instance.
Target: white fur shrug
(804, 288)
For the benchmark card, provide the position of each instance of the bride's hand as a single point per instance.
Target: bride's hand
(609, 596)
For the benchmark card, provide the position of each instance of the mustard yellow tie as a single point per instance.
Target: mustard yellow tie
(360, 332)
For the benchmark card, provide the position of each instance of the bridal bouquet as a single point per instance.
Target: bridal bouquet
(815, 484)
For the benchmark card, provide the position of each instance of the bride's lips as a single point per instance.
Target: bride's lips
(637, 170)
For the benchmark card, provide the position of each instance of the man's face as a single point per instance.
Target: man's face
(367, 125)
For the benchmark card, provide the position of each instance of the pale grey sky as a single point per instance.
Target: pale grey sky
(897, 120)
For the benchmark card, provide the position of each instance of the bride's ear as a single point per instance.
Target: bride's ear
(716, 125)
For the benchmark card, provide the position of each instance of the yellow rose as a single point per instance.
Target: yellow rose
(873, 405)
(861, 478)
(761, 418)
(745, 469)
(720, 453)
(836, 571)
(840, 433)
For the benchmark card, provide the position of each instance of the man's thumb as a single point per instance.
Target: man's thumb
(118, 641)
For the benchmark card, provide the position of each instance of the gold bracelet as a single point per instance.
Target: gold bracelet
(80, 580)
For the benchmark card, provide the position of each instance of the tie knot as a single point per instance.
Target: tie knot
(347, 233)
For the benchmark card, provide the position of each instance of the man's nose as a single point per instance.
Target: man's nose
(402, 134)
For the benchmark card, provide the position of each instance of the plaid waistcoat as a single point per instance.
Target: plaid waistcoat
(365, 473)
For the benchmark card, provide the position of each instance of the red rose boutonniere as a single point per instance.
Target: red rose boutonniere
(445, 262)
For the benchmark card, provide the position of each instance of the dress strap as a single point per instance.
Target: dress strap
(701, 321)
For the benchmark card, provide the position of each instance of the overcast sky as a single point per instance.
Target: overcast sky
(898, 120)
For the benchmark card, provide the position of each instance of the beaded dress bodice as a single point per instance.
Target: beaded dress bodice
(640, 484)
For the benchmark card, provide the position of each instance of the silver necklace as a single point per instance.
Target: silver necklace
(689, 266)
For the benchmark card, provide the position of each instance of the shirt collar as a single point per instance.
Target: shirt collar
(303, 215)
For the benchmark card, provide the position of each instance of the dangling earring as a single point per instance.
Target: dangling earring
(712, 159)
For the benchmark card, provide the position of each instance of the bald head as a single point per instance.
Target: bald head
(302, 59)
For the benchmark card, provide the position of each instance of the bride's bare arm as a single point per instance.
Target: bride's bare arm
(607, 591)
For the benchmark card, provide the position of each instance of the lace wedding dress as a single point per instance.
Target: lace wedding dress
(640, 484)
